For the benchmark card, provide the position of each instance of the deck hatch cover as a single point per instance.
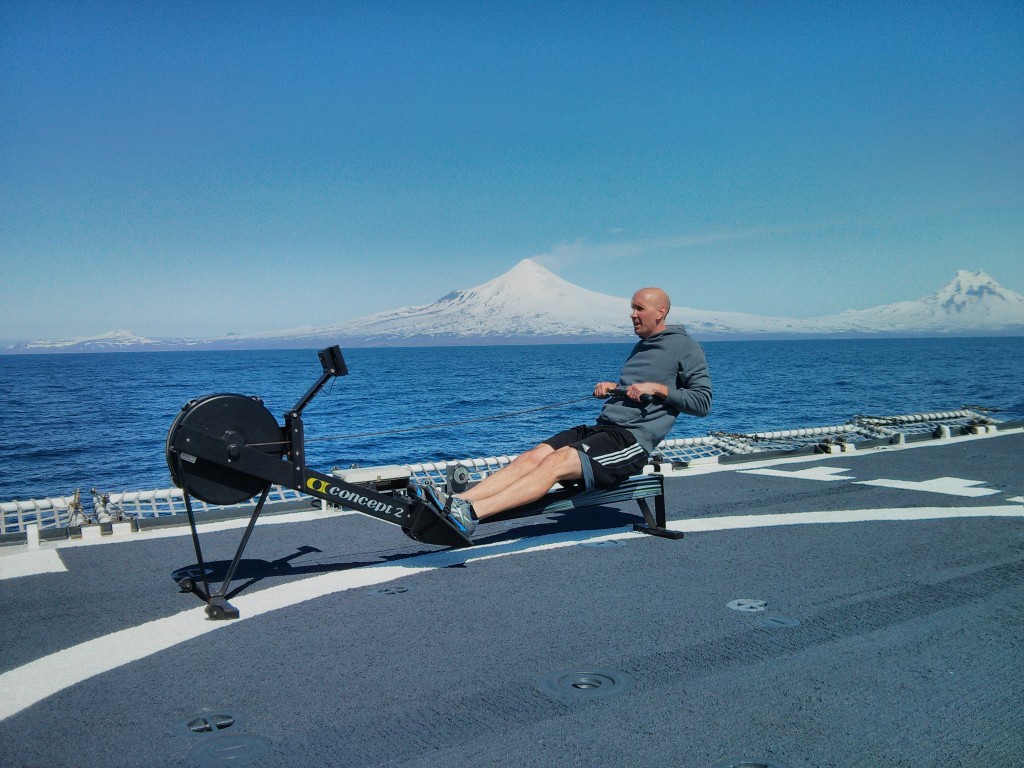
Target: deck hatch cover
(577, 685)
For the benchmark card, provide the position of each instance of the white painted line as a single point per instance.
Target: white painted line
(951, 486)
(824, 474)
(842, 516)
(30, 563)
(24, 686)
(1017, 500)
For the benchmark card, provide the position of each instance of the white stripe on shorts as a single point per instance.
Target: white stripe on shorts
(623, 456)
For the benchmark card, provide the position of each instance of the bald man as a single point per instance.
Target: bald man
(666, 364)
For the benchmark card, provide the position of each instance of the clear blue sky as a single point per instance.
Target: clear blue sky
(198, 168)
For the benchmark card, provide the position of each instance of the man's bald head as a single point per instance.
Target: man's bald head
(649, 307)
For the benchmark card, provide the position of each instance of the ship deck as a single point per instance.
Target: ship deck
(855, 609)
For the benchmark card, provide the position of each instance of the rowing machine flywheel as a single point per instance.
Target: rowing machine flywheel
(232, 421)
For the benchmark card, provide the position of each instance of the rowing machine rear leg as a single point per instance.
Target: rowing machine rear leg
(656, 522)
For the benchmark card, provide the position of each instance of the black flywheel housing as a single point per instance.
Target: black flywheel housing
(238, 420)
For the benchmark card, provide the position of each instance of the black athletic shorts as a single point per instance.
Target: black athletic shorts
(612, 453)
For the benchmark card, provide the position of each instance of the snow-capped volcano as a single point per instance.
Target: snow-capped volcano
(972, 301)
(528, 300)
(532, 304)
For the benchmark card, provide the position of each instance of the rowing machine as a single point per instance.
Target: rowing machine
(227, 448)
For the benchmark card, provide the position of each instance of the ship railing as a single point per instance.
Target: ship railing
(53, 512)
(923, 423)
(128, 506)
(860, 431)
(171, 501)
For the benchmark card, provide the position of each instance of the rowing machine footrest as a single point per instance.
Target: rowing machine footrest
(428, 526)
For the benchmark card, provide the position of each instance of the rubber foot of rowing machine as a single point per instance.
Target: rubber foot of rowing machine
(218, 608)
(664, 533)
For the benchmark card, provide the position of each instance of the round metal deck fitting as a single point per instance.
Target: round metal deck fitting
(747, 604)
(208, 721)
(211, 723)
(603, 544)
(575, 685)
(389, 590)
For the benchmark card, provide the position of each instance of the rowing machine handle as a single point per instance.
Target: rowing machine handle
(621, 392)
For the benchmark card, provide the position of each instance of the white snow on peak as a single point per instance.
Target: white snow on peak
(111, 340)
(968, 289)
(972, 301)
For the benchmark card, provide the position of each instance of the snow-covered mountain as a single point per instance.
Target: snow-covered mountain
(112, 341)
(973, 301)
(532, 304)
(527, 301)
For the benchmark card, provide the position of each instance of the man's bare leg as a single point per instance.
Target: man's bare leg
(556, 466)
(521, 466)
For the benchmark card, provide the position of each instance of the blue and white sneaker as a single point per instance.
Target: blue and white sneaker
(414, 491)
(460, 514)
(435, 497)
(428, 494)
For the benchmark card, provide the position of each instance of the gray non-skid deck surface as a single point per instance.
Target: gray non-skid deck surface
(908, 651)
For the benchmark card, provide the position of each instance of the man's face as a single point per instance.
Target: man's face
(647, 314)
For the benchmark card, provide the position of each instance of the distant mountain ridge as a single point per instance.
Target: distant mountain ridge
(531, 304)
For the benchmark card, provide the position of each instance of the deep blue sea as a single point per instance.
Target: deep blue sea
(101, 420)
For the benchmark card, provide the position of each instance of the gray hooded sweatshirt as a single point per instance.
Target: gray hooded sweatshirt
(671, 358)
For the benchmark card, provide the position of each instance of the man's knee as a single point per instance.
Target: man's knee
(564, 462)
(538, 453)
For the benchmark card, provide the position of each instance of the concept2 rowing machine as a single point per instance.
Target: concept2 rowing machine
(227, 448)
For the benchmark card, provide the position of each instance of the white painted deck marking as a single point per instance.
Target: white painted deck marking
(31, 563)
(29, 684)
(825, 474)
(952, 486)
(1017, 500)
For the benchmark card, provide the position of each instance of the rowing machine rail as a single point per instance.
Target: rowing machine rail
(228, 448)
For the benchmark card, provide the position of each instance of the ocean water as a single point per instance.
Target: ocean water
(101, 420)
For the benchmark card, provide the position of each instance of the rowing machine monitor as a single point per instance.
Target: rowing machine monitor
(332, 361)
